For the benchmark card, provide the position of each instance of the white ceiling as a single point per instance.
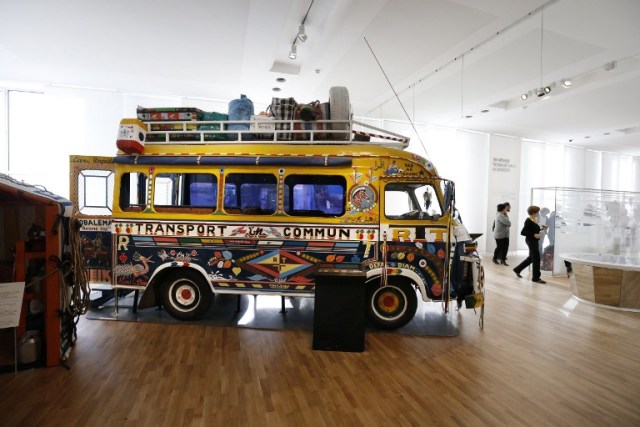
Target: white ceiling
(221, 48)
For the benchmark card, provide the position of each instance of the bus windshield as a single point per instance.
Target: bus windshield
(411, 201)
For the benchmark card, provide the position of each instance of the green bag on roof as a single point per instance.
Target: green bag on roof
(207, 116)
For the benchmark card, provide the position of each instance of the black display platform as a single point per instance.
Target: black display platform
(339, 319)
(264, 312)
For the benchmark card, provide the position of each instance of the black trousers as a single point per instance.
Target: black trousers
(533, 259)
(502, 247)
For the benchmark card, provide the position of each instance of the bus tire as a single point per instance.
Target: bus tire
(339, 108)
(391, 306)
(186, 294)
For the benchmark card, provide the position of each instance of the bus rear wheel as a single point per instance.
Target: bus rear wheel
(391, 306)
(186, 295)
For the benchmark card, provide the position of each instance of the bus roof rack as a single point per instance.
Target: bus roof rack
(267, 131)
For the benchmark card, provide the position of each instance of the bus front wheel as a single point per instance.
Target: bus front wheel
(186, 295)
(391, 306)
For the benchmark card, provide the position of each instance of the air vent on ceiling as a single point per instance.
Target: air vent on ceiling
(629, 131)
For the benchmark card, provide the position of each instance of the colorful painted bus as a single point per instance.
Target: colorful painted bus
(184, 221)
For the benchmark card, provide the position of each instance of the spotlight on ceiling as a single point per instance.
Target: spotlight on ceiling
(524, 96)
(301, 34)
(542, 91)
(566, 83)
(293, 53)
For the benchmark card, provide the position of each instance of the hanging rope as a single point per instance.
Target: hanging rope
(383, 276)
(78, 299)
(74, 289)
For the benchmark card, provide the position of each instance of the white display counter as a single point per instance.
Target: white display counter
(605, 279)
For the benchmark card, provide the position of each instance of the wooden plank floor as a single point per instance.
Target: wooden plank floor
(541, 360)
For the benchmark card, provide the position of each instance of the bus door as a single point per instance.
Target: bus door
(414, 222)
(91, 192)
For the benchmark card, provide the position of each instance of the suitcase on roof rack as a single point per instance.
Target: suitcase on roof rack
(171, 114)
(307, 116)
(283, 109)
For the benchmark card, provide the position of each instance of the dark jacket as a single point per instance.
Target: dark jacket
(530, 228)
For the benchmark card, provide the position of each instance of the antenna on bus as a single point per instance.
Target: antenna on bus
(397, 97)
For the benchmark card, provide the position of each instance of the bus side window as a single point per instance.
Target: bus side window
(251, 193)
(316, 195)
(185, 192)
(133, 192)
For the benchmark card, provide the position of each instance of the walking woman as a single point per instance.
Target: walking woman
(531, 232)
(501, 228)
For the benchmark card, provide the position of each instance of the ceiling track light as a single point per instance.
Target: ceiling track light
(302, 36)
(540, 92)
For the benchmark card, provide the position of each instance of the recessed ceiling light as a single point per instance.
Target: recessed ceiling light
(484, 111)
(607, 133)
(587, 137)
(276, 89)
(468, 116)
(567, 83)
(524, 96)
(281, 80)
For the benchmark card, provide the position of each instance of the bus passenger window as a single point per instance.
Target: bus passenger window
(316, 195)
(251, 194)
(133, 191)
(180, 192)
(411, 201)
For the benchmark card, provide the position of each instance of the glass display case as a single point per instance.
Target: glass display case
(586, 220)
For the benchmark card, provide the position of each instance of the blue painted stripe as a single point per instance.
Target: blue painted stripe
(235, 160)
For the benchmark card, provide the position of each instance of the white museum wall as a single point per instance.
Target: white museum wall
(625, 177)
(592, 170)
(102, 110)
(44, 130)
(610, 170)
(4, 141)
(503, 185)
(574, 171)
(531, 175)
(635, 173)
